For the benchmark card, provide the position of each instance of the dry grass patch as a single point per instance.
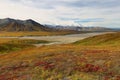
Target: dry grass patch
(39, 33)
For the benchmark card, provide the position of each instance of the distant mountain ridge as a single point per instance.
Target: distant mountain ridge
(78, 28)
(9, 24)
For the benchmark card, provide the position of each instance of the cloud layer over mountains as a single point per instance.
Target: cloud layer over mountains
(64, 12)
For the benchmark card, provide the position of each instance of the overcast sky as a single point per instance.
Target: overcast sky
(105, 13)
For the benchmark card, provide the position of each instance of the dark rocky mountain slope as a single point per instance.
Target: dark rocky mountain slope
(9, 24)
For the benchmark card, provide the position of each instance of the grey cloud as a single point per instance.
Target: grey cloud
(95, 3)
(73, 10)
(70, 3)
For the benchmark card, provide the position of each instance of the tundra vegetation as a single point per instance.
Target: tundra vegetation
(35, 33)
(94, 58)
(8, 45)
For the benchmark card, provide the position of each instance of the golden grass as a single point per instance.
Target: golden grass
(39, 33)
(4, 40)
(111, 39)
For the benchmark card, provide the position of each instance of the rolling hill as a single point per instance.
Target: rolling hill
(105, 39)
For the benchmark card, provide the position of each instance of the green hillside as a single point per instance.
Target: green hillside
(104, 39)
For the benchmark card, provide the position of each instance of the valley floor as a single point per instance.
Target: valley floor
(59, 39)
